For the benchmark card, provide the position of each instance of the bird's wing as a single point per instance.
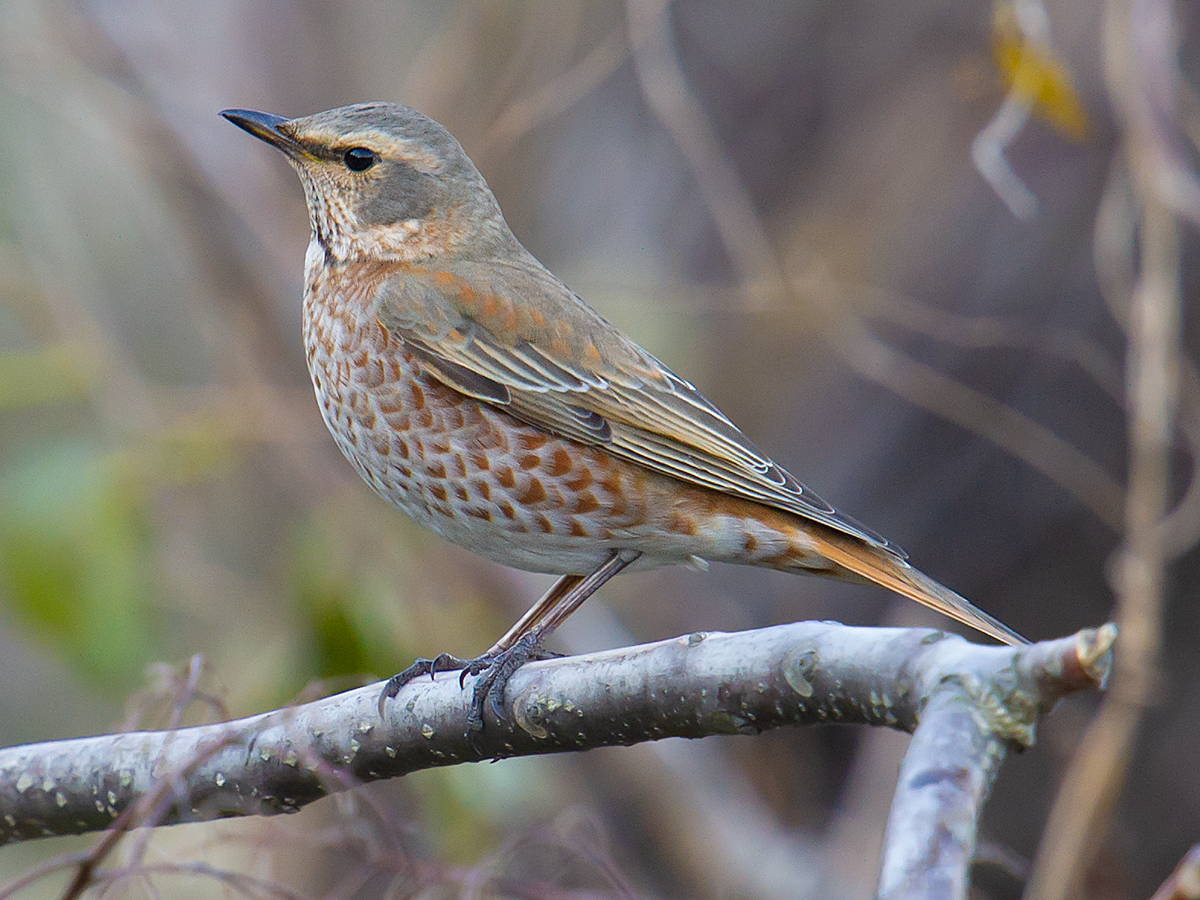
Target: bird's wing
(511, 334)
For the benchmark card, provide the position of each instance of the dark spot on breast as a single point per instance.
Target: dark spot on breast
(507, 509)
(485, 489)
(532, 440)
(371, 375)
(560, 465)
(545, 524)
(418, 396)
(749, 543)
(581, 481)
(577, 529)
(480, 513)
(461, 492)
(506, 478)
(586, 503)
(436, 470)
(401, 448)
(535, 493)
(611, 482)
(480, 460)
(439, 491)
(530, 461)
(390, 404)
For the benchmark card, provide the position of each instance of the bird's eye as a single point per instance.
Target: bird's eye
(359, 159)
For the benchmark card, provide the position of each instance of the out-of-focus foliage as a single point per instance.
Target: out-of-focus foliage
(167, 487)
(1035, 74)
(76, 560)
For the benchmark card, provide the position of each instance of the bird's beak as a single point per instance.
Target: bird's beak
(266, 127)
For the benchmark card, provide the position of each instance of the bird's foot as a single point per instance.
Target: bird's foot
(442, 663)
(494, 676)
(494, 668)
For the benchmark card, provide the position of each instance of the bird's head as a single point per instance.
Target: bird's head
(382, 181)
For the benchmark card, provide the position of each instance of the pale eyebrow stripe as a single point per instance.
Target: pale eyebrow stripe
(410, 152)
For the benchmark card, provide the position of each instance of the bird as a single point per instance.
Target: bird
(473, 390)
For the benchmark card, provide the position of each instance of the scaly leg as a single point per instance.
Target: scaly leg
(520, 644)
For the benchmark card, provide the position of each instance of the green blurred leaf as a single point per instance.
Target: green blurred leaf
(53, 375)
(75, 558)
(345, 633)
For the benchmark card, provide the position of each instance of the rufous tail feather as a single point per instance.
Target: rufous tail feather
(891, 572)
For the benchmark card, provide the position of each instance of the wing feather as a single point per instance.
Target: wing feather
(511, 334)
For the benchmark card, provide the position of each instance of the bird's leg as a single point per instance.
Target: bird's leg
(520, 644)
(445, 662)
(528, 646)
(535, 613)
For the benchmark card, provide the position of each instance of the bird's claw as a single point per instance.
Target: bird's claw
(443, 662)
(494, 676)
(493, 671)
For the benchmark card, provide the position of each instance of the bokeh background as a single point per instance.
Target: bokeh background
(167, 487)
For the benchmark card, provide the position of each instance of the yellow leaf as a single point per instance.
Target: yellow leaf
(1031, 71)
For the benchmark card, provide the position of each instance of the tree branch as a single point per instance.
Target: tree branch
(966, 704)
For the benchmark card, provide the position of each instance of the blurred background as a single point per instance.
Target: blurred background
(946, 364)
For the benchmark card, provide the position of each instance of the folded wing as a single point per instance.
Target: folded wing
(511, 334)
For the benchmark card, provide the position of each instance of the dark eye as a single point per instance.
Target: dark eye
(359, 159)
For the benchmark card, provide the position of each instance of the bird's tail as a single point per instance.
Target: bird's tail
(890, 571)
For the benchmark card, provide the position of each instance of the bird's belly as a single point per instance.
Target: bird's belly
(508, 490)
(473, 473)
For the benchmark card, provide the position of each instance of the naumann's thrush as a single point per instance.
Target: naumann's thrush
(472, 389)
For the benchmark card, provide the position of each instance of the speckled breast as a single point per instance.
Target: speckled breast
(469, 471)
(494, 484)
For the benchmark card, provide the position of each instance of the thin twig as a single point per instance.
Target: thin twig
(1082, 811)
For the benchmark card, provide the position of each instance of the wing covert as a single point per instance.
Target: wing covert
(552, 361)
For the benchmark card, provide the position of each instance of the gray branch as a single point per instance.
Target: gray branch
(965, 704)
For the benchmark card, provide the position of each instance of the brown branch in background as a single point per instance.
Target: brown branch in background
(557, 96)
(931, 390)
(1184, 883)
(669, 94)
(745, 239)
(1140, 63)
(1114, 245)
(1181, 526)
(765, 277)
(978, 332)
